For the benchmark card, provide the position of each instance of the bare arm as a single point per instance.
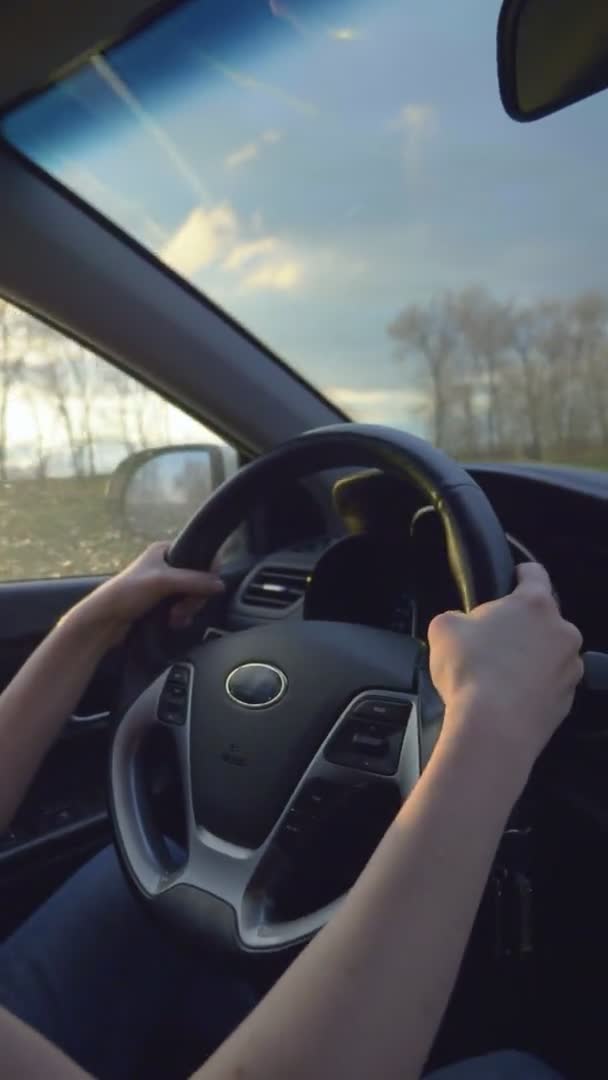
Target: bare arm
(27, 1054)
(36, 704)
(366, 997)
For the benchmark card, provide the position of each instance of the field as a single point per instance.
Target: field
(61, 528)
(68, 527)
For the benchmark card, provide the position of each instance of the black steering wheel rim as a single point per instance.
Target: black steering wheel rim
(478, 551)
(244, 773)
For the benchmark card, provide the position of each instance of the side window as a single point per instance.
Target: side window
(92, 463)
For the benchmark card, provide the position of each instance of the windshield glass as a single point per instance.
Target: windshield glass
(341, 179)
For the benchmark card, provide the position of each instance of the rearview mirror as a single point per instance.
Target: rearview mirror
(551, 53)
(155, 492)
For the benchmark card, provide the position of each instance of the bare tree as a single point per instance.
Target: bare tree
(55, 381)
(84, 372)
(525, 345)
(11, 367)
(588, 316)
(118, 385)
(484, 325)
(429, 337)
(36, 409)
(506, 379)
(141, 400)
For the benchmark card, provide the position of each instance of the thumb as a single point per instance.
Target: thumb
(194, 583)
(182, 613)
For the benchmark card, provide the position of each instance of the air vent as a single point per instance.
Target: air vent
(276, 587)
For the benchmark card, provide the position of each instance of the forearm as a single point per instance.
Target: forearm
(26, 1054)
(367, 996)
(36, 704)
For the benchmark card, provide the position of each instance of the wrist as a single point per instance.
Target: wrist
(90, 622)
(482, 729)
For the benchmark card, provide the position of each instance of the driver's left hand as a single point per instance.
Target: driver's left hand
(119, 602)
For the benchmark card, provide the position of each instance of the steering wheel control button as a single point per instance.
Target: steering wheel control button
(310, 810)
(366, 743)
(179, 676)
(256, 685)
(371, 736)
(173, 703)
(392, 712)
(315, 799)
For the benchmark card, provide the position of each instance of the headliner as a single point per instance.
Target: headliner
(40, 40)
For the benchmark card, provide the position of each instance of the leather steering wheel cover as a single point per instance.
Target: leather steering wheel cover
(478, 551)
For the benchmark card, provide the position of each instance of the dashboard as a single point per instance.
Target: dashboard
(385, 564)
(374, 553)
(364, 548)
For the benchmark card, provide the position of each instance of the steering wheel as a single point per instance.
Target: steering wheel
(269, 721)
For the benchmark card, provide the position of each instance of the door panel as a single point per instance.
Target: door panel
(28, 609)
(71, 423)
(63, 819)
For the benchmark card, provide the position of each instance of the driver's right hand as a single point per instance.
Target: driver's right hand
(516, 660)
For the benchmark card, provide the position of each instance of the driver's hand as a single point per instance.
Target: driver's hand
(512, 664)
(137, 589)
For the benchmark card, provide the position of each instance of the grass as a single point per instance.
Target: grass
(61, 528)
(54, 528)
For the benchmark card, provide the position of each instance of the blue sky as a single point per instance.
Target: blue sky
(317, 167)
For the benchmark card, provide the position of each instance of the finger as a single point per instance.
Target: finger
(578, 671)
(445, 623)
(156, 552)
(533, 580)
(192, 583)
(183, 612)
(532, 573)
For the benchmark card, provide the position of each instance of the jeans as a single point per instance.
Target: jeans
(504, 1065)
(100, 980)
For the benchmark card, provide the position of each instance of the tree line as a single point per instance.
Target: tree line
(66, 400)
(493, 380)
(510, 380)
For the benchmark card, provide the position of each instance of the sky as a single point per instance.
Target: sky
(313, 168)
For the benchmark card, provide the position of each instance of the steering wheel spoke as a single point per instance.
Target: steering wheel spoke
(276, 727)
(164, 705)
(374, 738)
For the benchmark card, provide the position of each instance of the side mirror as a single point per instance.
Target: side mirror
(154, 492)
(551, 54)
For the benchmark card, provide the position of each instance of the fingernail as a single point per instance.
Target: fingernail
(217, 584)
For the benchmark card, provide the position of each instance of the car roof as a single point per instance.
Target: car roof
(39, 40)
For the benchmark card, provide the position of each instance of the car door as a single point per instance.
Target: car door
(71, 427)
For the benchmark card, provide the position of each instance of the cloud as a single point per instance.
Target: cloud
(251, 150)
(249, 82)
(361, 400)
(272, 136)
(402, 408)
(202, 238)
(344, 33)
(419, 123)
(418, 119)
(216, 236)
(149, 122)
(281, 10)
(248, 152)
(129, 214)
(244, 253)
(277, 276)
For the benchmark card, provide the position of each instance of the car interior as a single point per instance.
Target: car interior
(198, 212)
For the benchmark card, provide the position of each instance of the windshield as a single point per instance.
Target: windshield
(341, 179)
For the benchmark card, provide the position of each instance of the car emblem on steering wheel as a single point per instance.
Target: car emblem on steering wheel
(256, 686)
